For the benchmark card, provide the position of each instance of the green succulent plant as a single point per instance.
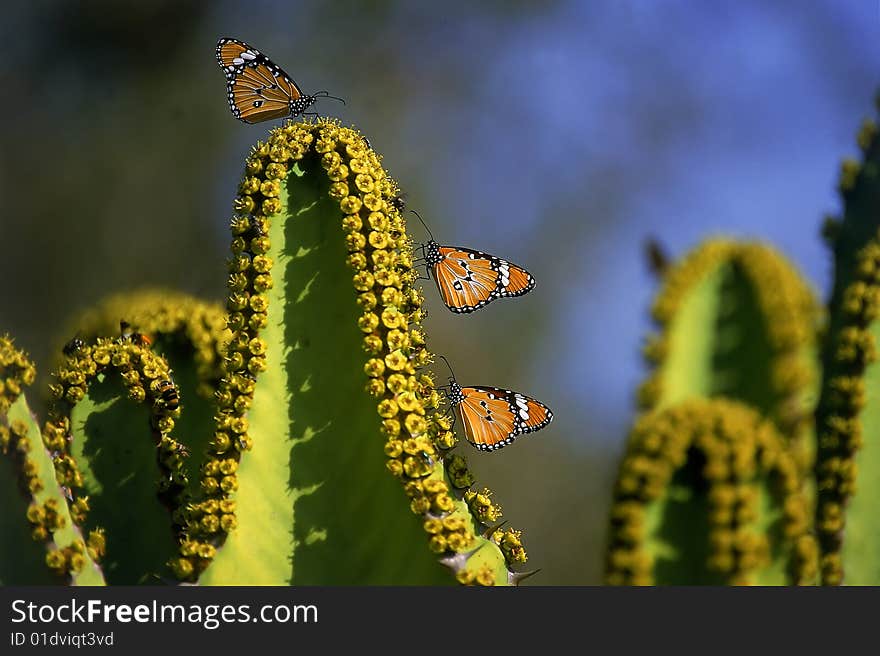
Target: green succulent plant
(296, 435)
(848, 467)
(755, 458)
(293, 437)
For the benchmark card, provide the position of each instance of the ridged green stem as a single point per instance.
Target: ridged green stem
(737, 321)
(189, 333)
(321, 302)
(848, 417)
(708, 493)
(39, 542)
(110, 428)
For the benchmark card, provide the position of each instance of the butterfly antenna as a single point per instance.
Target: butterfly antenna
(325, 94)
(443, 357)
(419, 217)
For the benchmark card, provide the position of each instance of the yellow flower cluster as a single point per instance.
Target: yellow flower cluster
(482, 506)
(510, 542)
(851, 347)
(67, 560)
(72, 558)
(172, 320)
(483, 576)
(844, 398)
(13, 444)
(16, 372)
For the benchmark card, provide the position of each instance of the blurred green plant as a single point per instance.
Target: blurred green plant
(848, 417)
(743, 466)
(253, 454)
(709, 493)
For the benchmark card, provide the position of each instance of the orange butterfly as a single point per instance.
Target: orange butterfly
(469, 279)
(493, 417)
(257, 89)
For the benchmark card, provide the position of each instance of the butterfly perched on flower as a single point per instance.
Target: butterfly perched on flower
(469, 279)
(257, 89)
(492, 417)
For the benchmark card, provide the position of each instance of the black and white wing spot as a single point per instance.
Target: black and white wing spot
(521, 407)
(503, 273)
(476, 287)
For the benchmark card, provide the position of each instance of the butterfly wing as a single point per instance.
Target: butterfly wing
(257, 89)
(230, 51)
(515, 281)
(469, 279)
(492, 417)
(466, 281)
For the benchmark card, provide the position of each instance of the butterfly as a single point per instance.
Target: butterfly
(493, 417)
(469, 279)
(257, 89)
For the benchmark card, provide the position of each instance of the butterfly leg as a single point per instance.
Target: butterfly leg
(422, 263)
(422, 259)
(449, 414)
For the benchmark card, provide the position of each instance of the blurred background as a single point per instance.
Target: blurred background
(560, 135)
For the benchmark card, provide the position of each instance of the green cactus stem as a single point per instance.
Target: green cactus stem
(848, 417)
(708, 493)
(39, 543)
(190, 334)
(109, 428)
(737, 321)
(326, 411)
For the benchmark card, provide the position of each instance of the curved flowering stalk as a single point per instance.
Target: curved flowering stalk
(737, 320)
(37, 537)
(183, 328)
(708, 493)
(848, 421)
(322, 303)
(190, 334)
(109, 430)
